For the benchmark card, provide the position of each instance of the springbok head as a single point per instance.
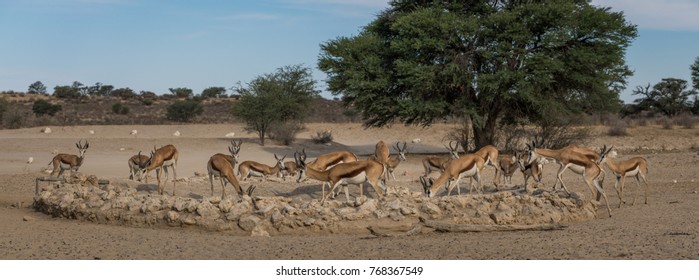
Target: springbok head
(280, 162)
(234, 149)
(453, 146)
(401, 150)
(300, 159)
(82, 148)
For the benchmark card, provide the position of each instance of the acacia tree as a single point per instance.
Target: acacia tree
(670, 97)
(37, 88)
(695, 73)
(483, 60)
(275, 98)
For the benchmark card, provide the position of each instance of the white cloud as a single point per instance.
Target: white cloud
(679, 15)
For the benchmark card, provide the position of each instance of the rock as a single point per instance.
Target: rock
(176, 134)
(238, 210)
(258, 231)
(416, 140)
(208, 210)
(394, 205)
(408, 211)
(91, 132)
(172, 216)
(430, 208)
(225, 205)
(248, 222)
(27, 218)
(309, 222)
(230, 135)
(46, 130)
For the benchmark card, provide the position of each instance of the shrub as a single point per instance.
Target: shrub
(42, 107)
(13, 120)
(686, 121)
(147, 102)
(617, 128)
(285, 133)
(120, 109)
(666, 123)
(323, 137)
(4, 104)
(184, 110)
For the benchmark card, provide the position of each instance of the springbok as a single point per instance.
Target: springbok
(533, 170)
(435, 163)
(567, 157)
(469, 165)
(490, 154)
(160, 159)
(250, 168)
(355, 172)
(508, 165)
(220, 166)
(636, 167)
(325, 161)
(62, 162)
(137, 165)
(290, 169)
(393, 161)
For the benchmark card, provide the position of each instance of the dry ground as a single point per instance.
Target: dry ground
(666, 228)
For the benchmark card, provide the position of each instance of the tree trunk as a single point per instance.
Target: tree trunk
(484, 134)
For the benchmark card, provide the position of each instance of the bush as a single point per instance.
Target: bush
(42, 107)
(120, 109)
(686, 121)
(323, 137)
(184, 110)
(4, 105)
(285, 133)
(13, 120)
(617, 128)
(147, 102)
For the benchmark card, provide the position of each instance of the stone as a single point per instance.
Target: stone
(27, 218)
(258, 231)
(248, 222)
(430, 208)
(172, 216)
(208, 210)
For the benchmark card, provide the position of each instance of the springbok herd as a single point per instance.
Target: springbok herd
(343, 168)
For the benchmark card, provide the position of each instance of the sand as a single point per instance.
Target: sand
(665, 228)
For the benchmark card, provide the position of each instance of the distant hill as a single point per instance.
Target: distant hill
(94, 110)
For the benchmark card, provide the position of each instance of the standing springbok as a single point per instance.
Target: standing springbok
(508, 165)
(137, 165)
(533, 170)
(325, 161)
(469, 165)
(567, 157)
(160, 159)
(490, 154)
(636, 167)
(435, 163)
(250, 168)
(393, 161)
(61, 162)
(355, 172)
(220, 166)
(290, 169)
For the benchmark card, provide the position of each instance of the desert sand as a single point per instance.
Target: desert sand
(665, 228)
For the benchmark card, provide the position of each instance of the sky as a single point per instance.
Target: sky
(157, 44)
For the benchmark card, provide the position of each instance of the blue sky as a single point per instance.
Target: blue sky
(156, 45)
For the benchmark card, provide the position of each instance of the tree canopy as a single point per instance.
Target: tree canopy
(488, 60)
(274, 98)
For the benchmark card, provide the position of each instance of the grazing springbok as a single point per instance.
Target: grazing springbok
(435, 163)
(220, 166)
(62, 162)
(160, 159)
(137, 165)
(508, 165)
(567, 157)
(469, 165)
(355, 172)
(636, 167)
(250, 168)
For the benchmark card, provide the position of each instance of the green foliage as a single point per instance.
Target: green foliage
(422, 61)
(184, 110)
(42, 107)
(213, 92)
(37, 88)
(280, 97)
(124, 93)
(695, 73)
(182, 92)
(66, 92)
(13, 120)
(4, 105)
(323, 137)
(121, 109)
(99, 90)
(147, 102)
(669, 97)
